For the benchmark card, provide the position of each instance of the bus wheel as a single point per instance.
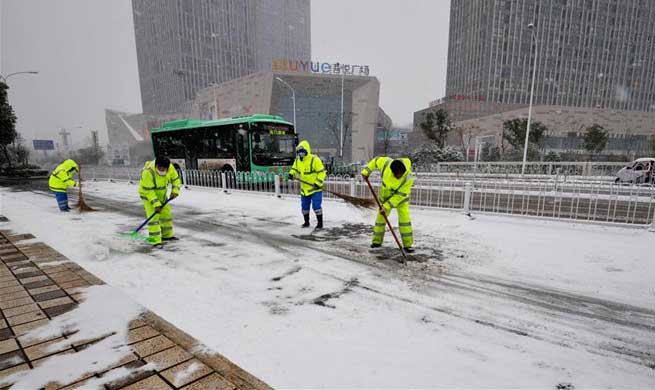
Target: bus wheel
(227, 169)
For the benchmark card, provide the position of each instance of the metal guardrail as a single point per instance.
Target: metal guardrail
(604, 169)
(594, 201)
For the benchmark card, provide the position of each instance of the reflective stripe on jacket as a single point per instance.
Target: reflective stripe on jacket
(309, 170)
(153, 187)
(62, 177)
(393, 192)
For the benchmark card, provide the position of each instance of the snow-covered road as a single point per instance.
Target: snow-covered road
(501, 302)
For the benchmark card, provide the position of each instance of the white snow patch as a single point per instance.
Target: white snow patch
(54, 263)
(216, 284)
(104, 314)
(181, 376)
(114, 375)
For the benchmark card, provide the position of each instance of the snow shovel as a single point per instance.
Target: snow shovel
(81, 204)
(135, 233)
(357, 202)
(386, 219)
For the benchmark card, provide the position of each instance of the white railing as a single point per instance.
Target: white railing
(595, 201)
(598, 169)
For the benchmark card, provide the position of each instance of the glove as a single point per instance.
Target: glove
(173, 195)
(364, 177)
(316, 187)
(290, 177)
(385, 209)
(158, 209)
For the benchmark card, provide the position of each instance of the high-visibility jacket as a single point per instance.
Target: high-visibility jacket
(62, 177)
(309, 170)
(393, 192)
(153, 187)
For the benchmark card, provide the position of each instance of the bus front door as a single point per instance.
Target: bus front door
(243, 151)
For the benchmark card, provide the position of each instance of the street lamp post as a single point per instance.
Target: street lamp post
(293, 98)
(534, 74)
(4, 78)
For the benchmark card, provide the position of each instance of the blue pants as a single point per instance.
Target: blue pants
(315, 200)
(62, 201)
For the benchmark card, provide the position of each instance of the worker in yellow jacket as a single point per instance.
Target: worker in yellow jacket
(62, 178)
(309, 170)
(397, 181)
(156, 177)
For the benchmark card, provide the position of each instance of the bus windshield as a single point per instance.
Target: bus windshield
(272, 145)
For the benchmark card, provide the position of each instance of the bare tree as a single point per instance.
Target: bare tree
(466, 136)
(386, 141)
(333, 122)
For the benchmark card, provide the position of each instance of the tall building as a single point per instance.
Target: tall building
(590, 53)
(185, 45)
(595, 64)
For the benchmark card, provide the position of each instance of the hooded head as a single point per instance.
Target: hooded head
(162, 164)
(71, 166)
(398, 168)
(303, 149)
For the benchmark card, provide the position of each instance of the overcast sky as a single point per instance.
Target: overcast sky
(85, 54)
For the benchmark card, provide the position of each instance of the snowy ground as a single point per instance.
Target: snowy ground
(501, 301)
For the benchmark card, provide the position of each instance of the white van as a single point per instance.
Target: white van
(639, 171)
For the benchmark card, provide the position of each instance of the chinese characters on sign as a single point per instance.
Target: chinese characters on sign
(285, 65)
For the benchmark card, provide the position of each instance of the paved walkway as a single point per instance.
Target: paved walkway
(38, 284)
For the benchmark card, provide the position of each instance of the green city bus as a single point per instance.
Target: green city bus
(257, 144)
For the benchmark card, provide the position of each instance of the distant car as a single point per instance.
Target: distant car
(639, 171)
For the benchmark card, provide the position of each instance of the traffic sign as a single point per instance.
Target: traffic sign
(43, 144)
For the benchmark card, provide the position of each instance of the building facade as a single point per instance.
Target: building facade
(129, 135)
(630, 133)
(318, 108)
(595, 63)
(183, 46)
(590, 53)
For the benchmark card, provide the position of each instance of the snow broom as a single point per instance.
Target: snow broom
(357, 202)
(81, 204)
(386, 219)
(135, 234)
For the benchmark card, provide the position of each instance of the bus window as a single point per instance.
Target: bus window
(224, 143)
(169, 145)
(272, 145)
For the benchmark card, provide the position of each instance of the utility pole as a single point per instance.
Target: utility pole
(94, 139)
(343, 76)
(64, 140)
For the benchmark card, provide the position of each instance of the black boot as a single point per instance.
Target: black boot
(306, 224)
(319, 225)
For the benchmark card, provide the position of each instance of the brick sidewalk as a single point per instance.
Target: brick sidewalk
(37, 283)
